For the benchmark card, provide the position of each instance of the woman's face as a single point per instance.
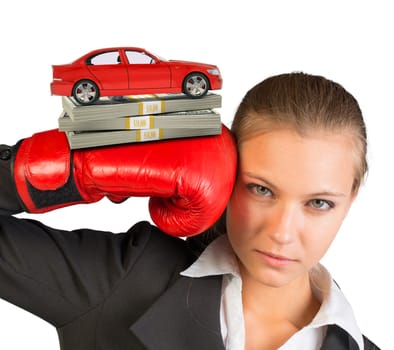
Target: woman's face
(291, 196)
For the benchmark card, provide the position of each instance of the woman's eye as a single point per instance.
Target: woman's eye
(260, 190)
(321, 204)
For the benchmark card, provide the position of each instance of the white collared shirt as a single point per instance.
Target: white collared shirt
(219, 259)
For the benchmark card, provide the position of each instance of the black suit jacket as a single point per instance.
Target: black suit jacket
(116, 291)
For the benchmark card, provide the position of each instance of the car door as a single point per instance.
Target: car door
(109, 70)
(146, 72)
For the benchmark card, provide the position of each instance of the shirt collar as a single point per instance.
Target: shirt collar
(219, 259)
(335, 308)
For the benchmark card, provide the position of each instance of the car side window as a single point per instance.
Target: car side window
(136, 57)
(109, 57)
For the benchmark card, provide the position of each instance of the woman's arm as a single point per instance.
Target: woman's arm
(54, 274)
(9, 200)
(60, 275)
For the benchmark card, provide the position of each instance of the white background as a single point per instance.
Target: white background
(347, 41)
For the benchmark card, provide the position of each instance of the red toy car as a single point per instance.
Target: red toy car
(122, 71)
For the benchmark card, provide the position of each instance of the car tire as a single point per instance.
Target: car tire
(86, 92)
(195, 85)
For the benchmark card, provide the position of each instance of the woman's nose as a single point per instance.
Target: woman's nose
(284, 224)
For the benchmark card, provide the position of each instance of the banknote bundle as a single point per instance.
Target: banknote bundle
(140, 118)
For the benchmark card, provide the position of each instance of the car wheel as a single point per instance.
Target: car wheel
(86, 92)
(195, 85)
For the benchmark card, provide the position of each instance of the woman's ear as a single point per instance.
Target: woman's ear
(354, 194)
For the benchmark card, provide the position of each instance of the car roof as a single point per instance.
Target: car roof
(97, 51)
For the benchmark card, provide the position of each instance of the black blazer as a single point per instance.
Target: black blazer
(105, 291)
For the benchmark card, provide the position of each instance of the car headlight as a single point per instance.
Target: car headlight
(214, 71)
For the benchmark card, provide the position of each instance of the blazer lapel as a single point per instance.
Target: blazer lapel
(337, 339)
(186, 316)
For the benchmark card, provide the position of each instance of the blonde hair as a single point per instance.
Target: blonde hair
(305, 103)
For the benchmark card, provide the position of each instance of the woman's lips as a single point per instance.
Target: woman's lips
(274, 260)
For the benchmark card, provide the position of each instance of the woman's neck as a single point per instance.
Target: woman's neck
(276, 311)
(294, 302)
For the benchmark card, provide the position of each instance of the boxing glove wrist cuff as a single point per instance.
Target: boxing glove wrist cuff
(43, 173)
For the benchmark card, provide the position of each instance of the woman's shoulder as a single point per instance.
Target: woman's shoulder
(337, 338)
(153, 241)
(144, 231)
(369, 345)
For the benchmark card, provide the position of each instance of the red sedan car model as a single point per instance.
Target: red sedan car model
(122, 71)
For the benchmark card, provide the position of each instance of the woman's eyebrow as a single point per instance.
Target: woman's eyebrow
(328, 193)
(261, 179)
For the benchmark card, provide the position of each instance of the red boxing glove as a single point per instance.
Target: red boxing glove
(189, 180)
